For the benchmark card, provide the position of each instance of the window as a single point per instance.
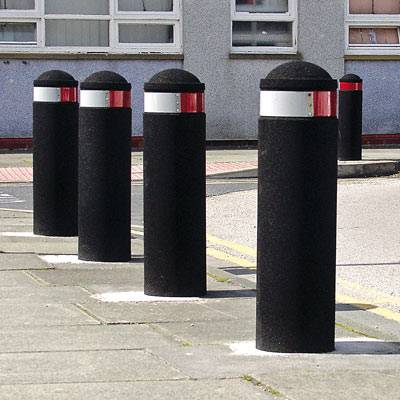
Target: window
(373, 27)
(264, 26)
(90, 26)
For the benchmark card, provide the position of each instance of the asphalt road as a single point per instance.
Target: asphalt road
(19, 196)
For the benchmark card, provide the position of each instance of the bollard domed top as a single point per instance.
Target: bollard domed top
(55, 78)
(174, 80)
(105, 80)
(298, 76)
(351, 78)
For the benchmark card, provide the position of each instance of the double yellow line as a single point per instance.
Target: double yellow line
(245, 252)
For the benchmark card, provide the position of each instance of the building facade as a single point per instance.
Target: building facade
(229, 44)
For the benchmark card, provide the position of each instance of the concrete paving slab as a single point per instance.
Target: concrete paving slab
(221, 332)
(39, 295)
(21, 262)
(132, 275)
(240, 308)
(232, 389)
(24, 246)
(16, 279)
(79, 338)
(335, 384)
(84, 366)
(21, 227)
(196, 361)
(152, 312)
(370, 324)
(51, 314)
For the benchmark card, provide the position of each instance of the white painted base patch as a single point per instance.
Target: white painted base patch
(19, 234)
(350, 345)
(248, 348)
(65, 259)
(140, 297)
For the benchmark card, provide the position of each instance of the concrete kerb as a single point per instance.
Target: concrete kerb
(346, 169)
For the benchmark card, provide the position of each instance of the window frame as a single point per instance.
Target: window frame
(290, 16)
(370, 21)
(115, 17)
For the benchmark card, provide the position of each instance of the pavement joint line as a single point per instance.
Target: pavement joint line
(219, 279)
(166, 334)
(74, 351)
(16, 209)
(27, 269)
(41, 282)
(263, 386)
(88, 313)
(230, 316)
(102, 381)
(166, 362)
(353, 330)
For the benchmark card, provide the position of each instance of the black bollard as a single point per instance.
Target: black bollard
(296, 236)
(105, 125)
(350, 118)
(174, 185)
(55, 154)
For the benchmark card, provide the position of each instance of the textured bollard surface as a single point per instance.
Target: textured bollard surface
(350, 118)
(105, 168)
(297, 211)
(55, 155)
(174, 185)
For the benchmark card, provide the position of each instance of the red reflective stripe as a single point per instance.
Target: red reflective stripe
(68, 94)
(120, 98)
(192, 102)
(350, 86)
(325, 104)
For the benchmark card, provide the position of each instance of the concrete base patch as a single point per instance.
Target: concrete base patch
(140, 297)
(350, 345)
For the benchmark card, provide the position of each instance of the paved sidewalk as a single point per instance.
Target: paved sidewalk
(71, 330)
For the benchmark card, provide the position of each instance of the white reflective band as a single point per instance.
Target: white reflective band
(47, 94)
(106, 98)
(162, 102)
(95, 98)
(175, 103)
(298, 104)
(55, 94)
(286, 104)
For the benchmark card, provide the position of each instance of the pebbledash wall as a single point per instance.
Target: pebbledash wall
(202, 42)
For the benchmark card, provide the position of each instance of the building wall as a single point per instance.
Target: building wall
(232, 91)
(381, 94)
(16, 87)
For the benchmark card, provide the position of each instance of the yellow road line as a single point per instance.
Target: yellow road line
(232, 245)
(383, 312)
(220, 255)
(359, 303)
